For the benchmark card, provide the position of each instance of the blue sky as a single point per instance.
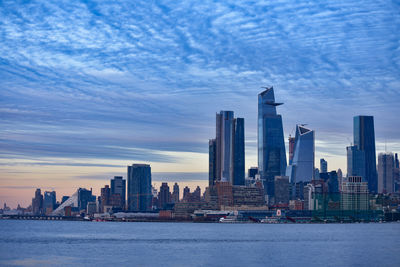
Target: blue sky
(88, 87)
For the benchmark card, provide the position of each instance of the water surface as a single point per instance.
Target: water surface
(49, 243)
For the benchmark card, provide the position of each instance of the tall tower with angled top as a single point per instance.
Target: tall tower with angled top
(271, 143)
(302, 167)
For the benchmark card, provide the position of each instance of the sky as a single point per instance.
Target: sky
(89, 87)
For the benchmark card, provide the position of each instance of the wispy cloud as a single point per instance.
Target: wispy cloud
(133, 81)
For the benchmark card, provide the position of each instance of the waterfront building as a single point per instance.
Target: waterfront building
(386, 173)
(164, 196)
(83, 197)
(91, 208)
(296, 204)
(323, 164)
(186, 194)
(105, 196)
(225, 194)
(355, 162)
(354, 194)
(139, 187)
(248, 196)
(118, 188)
(227, 164)
(364, 139)
(282, 190)
(302, 167)
(211, 198)
(196, 195)
(270, 141)
(49, 201)
(37, 202)
(175, 193)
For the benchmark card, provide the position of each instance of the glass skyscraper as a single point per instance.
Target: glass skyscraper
(212, 147)
(364, 139)
(302, 167)
(271, 144)
(118, 186)
(238, 153)
(139, 187)
(355, 162)
(386, 173)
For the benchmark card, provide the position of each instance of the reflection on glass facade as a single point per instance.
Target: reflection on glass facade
(238, 158)
(271, 146)
(364, 139)
(139, 187)
(302, 167)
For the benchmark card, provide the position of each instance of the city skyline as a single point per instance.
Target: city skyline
(83, 100)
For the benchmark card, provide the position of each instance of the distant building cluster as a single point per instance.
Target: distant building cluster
(293, 188)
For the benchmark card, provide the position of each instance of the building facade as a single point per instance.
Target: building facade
(175, 193)
(282, 190)
(386, 170)
(302, 167)
(226, 151)
(49, 201)
(139, 187)
(364, 139)
(37, 202)
(354, 194)
(270, 141)
(355, 162)
(323, 164)
(118, 187)
(212, 162)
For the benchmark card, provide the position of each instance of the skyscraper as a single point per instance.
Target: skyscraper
(37, 202)
(139, 187)
(229, 150)
(85, 196)
(271, 143)
(385, 173)
(238, 153)
(212, 162)
(118, 187)
(364, 139)
(175, 193)
(49, 201)
(291, 149)
(105, 196)
(302, 167)
(164, 196)
(323, 164)
(355, 162)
